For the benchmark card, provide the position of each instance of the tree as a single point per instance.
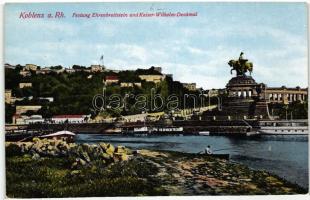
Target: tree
(12, 78)
(45, 112)
(9, 112)
(78, 67)
(150, 71)
(57, 67)
(19, 67)
(296, 110)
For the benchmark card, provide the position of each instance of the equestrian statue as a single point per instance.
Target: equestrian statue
(241, 66)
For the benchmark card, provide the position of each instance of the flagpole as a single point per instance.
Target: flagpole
(102, 59)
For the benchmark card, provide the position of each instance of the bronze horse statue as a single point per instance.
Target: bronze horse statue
(241, 66)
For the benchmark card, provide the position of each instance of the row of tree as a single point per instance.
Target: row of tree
(294, 110)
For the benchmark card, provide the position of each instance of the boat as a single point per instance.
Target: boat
(221, 156)
(214, 155)
(283, 127)
(142, 130)
(159, 130)
(60, 135)
(252, 133)
(168, 130)
(205, 133)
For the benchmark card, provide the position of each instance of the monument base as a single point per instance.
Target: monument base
(261, 109)
(238, 108)
(245, 100)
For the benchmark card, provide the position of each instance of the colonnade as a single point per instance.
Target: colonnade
(287, 96)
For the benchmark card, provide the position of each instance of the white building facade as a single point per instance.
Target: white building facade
(59, 119)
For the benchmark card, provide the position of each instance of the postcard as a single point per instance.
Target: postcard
(155, 99)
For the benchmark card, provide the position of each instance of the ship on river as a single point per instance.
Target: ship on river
(284, 127)
(156, 130)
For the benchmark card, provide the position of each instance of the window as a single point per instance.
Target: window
(244, 93)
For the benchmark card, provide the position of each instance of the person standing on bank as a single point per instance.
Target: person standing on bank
(208, 150)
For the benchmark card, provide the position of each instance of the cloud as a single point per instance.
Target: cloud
(194, 50)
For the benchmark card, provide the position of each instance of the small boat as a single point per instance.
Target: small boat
(62, 135)
(221, 156)
(205, 133)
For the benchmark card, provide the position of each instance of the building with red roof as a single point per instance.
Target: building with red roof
(111, 79)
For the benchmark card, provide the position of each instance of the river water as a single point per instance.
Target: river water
(286, 156)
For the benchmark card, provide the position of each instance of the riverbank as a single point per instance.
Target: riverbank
(57, 169)
(285, 156)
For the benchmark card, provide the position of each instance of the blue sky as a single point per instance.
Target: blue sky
(194, 49)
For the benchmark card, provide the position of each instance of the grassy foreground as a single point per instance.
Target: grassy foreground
(52, 177)
(145, 174)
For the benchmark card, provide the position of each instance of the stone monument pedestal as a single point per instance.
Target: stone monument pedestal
(244, 98)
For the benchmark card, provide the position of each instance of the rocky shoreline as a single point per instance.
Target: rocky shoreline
(81, 154)
(54, 168)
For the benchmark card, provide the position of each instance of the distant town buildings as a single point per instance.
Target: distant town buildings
(110, 79)
(58, 119)
(30, 67)
(70, 71)
(212, 92)
(20, 119)
(20, 109)
(158, 69)
(25, 73)
(15, 99)
(45, 70)
(25, 85)
(10, 99)
(152, 78)
(58, 71)
(23, 119)
(96, 68)
(49, 99)
(126, 84)
(190, 86)
(8, 96)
